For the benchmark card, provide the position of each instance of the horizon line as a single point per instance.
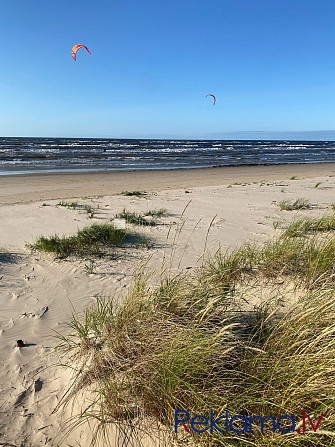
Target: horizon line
(323, 135)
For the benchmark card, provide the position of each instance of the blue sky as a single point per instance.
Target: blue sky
(270, 63)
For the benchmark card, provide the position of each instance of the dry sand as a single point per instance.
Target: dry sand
(38, 294)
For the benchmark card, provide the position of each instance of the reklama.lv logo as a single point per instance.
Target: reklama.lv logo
(182, 417)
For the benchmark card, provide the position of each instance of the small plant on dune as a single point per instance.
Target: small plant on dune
(70, 205)
(77, 206)
(135, 218)
(157, 212)
(302, 227)
(317, 184)
(289, 205)
(277, 224)
(89, 210)
(303, 259)
(332, 206)
(134, 193)
(94, 240)
(90, 268)
(141, 218)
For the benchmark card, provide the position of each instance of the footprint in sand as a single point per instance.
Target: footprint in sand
(20, 398)
(37, 314)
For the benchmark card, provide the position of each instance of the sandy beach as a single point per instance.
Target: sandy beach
(25, 188)
(39, 294)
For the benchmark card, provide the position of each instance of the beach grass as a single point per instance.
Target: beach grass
(157, 212)
(277, 224)
(89, 210)
(69, 205)
(302, 259)
(290, 205)
(135, 218)
(90, 268)
(77, 206)
(93, 240)
(134, 193)
(301, 227)
(188, 343)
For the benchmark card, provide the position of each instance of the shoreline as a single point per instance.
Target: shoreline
(27, 188)
(10, 173)
(179, 168)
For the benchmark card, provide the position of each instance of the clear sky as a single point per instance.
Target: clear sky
(270, 63)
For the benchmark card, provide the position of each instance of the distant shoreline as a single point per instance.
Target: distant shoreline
(182, 168)
(26, 188)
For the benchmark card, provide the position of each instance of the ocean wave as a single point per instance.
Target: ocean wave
(61, 154)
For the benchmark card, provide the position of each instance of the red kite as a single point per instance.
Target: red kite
(76, 48)
(213, 97)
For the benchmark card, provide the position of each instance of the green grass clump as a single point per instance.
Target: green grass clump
(157, 212)
(90, 268)
(70, 205)
(289, 205)
(94, 240)
(89, 210)
(135, 218)
(134, 193)
(304, 259)
(302, 227)
(140, 218)
(77, 206)
(277, 224)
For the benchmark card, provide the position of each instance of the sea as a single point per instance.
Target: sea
(39, 155)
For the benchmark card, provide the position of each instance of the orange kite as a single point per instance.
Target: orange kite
(76, 48)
